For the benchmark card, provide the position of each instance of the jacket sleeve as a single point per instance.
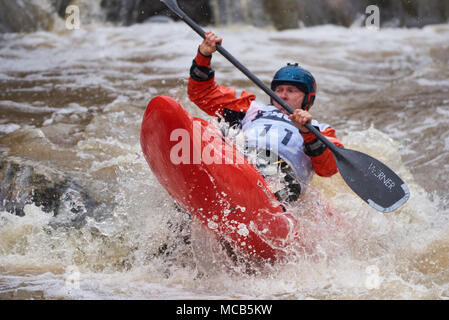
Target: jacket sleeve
(322, 158)
(214, 99)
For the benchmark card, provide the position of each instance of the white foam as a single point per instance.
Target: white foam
(118, 258)
(8, 128)
(25, 107)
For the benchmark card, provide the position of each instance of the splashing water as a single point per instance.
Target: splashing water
(75, 100)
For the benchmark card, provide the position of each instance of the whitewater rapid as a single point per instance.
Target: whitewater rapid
(74, 100)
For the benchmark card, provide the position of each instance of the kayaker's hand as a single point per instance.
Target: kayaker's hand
(209, 44)
(299, 118)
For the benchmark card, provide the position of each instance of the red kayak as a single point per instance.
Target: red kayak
(210, 179)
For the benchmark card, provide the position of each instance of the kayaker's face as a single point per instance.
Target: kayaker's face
(291, 95)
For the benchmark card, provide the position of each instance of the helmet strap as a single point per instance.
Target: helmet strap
(306, 103)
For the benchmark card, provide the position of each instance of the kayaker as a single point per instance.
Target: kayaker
(298, 153)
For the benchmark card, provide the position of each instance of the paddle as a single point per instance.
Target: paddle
(369, 178)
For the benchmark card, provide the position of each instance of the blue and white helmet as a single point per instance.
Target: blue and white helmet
(293, 74)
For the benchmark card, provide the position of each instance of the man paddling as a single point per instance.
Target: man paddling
(290, 147)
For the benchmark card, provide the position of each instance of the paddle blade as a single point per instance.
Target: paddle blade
(372, 180)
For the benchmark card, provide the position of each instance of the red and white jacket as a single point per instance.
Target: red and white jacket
(218, 100)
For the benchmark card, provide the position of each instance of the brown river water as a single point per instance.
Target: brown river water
(74, 100)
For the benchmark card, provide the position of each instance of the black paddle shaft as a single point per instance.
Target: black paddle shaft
(370, 179)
